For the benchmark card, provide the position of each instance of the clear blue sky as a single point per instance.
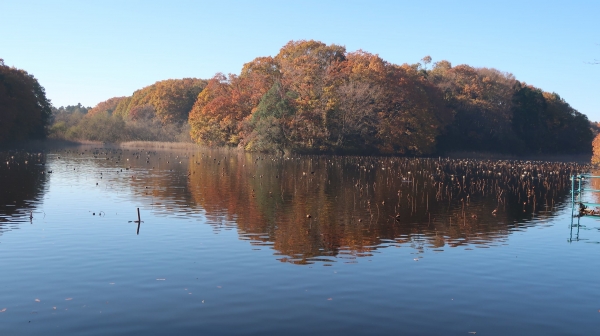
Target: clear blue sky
(89, 51)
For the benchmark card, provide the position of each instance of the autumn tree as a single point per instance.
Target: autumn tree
(495, 112)
(356, 100)
(321, 99)
(142, 112)
(306, 68)
(109, 105)
(355, 127)
(385, 108)
(217, 114)
(414, 116)
(313, 97)
(481, 101)
(114, 121)
(171, 99)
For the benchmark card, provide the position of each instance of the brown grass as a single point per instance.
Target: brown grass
(158, 145)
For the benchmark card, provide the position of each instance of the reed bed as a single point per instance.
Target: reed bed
(158, 145)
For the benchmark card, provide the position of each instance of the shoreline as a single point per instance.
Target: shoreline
(48, 144)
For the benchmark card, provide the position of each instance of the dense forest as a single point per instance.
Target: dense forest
(312, 97)
(24, 109)
(318, 98)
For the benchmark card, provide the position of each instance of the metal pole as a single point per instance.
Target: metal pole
(572, 200)
(580, 200)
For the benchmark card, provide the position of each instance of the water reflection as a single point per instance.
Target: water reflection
(586, 209)
(22, 182)
(316, 208)
(157, 178)
(324, 208)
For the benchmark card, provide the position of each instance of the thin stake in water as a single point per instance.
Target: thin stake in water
(139, 221)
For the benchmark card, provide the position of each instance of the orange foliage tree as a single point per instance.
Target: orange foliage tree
(170, 99)
(313, 97)
(108, 106)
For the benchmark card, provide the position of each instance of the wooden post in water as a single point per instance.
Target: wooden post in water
(139, 221)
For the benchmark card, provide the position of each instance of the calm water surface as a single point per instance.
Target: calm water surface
(239, 244)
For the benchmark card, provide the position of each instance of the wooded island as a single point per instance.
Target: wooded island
(318, 98)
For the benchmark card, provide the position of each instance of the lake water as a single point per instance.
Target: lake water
(238, 244)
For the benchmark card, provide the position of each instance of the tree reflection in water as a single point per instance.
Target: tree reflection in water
(329, 208)
(320, 207)
(22, 182)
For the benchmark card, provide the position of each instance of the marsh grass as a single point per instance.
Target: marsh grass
(158, 145)
(479, 155)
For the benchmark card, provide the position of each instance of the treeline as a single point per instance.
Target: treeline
(312, 97)
(318, 98)
(495, 112)
(158, 112)
(25, 111)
